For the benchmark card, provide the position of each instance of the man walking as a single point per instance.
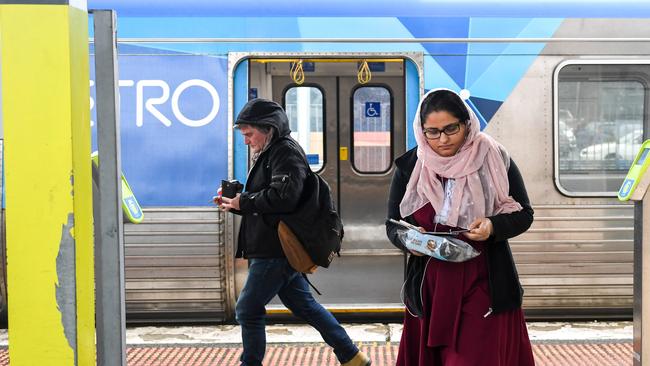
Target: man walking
(274, 186)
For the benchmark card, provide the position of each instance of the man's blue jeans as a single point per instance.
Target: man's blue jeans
(268, 277)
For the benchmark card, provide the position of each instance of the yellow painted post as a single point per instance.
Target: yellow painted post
(45, 112)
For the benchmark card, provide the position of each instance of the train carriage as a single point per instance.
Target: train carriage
(564, 87)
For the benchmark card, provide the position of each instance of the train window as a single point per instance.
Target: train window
(599, 125)
(371, 129)
(304, 106)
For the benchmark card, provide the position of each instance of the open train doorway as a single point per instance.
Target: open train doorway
(349, 115)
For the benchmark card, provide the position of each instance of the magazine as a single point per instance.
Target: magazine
(443, 246)
(413, 227)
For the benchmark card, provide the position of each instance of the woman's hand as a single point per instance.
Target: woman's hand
(228, 204)
(480, 229)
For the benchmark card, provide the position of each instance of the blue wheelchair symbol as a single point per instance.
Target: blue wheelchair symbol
(373, 109)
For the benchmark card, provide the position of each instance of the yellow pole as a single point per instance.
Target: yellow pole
(44, 60)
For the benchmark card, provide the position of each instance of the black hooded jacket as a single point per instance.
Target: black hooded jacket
(274, 183)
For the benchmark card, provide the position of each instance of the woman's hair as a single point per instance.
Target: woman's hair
(443, 100)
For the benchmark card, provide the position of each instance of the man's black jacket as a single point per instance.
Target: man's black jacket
(505, 290)
(274, 185)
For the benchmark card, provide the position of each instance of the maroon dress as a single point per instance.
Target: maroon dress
(457, 327)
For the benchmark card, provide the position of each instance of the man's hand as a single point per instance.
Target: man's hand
(217, 199)
(228, 204)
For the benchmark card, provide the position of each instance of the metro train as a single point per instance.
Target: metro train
(564, 86)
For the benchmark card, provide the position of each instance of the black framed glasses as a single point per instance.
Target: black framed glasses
(434, 133)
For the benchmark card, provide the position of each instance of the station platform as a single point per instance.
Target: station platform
(554, 344)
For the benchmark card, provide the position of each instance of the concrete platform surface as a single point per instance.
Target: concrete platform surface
(375, 332)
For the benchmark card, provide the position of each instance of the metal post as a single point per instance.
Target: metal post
(637, 282)
(641, 281)
(111, 340)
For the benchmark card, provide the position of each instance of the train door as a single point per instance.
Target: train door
(352, 132)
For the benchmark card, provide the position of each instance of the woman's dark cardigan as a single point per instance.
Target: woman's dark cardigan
(506, 292)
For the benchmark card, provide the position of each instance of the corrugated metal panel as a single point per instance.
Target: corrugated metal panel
(175, 265)
(577, 257)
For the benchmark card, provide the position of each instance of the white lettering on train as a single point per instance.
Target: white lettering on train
(199, 122)
(150, 103)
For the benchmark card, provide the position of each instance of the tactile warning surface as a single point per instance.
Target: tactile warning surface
(579, 354)
(382, 354)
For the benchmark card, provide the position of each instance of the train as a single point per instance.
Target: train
(564, 86)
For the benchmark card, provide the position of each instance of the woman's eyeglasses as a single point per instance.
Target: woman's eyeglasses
(434, 133)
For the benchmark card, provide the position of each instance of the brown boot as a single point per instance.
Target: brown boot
(360, 359)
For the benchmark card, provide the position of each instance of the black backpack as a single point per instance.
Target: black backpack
(316, 223)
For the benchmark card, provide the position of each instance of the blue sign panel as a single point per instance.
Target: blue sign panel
(308, 66)
(643, 156)
(134, 209)
(313, 159)
(173, 127)
(377, 66)
(373, 109)
(625, 188)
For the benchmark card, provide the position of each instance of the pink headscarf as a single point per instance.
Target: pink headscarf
(478, 178)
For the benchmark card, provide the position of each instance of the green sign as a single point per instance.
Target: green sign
(130, 206)
(636, 182)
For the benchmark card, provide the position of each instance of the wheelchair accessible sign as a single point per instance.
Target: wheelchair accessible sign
(373, 109)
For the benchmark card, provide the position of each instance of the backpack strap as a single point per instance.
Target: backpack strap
(304, 275)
